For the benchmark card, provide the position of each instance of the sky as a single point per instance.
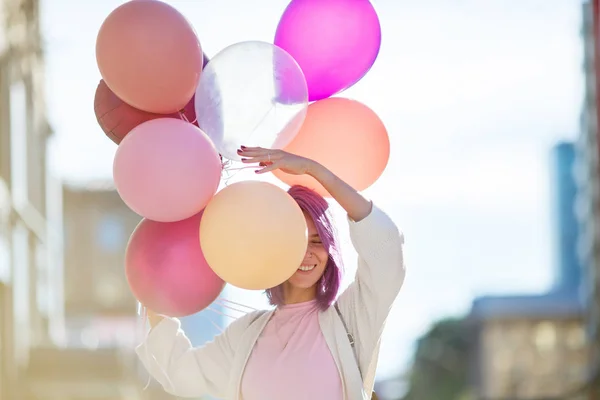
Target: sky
(473, 93)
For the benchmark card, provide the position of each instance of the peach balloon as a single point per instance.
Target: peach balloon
(345, 136)
(150, 56)
(253, 235)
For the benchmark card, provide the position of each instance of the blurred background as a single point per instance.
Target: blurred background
(493, 177)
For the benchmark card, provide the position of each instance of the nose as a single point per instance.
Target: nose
(308, 256)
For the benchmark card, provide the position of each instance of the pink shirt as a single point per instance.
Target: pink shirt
(291, 360)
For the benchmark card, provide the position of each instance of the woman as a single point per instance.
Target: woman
(310, 346)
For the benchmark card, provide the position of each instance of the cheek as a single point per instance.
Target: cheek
(322, 255)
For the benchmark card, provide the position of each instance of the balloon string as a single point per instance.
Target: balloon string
(227, 168)
(261, 120)
(233, 308)
(230, 171)
(220, 313)
(185, 118)
(240, 168)
(237, 304)
(221, 330)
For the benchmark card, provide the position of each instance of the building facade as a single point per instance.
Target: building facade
(534, 346)
(530, 354)
(97, 226)
(101, 317)
(101, 328)
(30, 236)
(588, 180)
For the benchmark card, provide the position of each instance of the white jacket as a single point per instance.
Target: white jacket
(217, 367)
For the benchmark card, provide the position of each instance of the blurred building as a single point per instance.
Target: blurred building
(588, 179)
(97, 226)
(534, 346)
(97, 298)
(96, 358)
(103, 327)
(30, 208)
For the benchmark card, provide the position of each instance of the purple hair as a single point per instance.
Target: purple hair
(318, 209)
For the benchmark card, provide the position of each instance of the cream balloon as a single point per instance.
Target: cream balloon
(253, 235)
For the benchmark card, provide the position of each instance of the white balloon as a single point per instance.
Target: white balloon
(253, 94)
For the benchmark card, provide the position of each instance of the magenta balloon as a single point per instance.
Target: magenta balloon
(166, 269)
(335, 42)
(166, 170)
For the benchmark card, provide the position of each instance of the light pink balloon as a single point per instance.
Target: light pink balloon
(166, 269)
(150, 56)
(166, 170)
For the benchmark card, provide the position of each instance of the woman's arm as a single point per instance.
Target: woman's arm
(366, 303)
(184, 370)
(351, 201)
(374, 235)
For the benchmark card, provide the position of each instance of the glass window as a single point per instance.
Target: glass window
(20, 251)
(575, 337)
(18, 142)
(110, 233)
(42, 284)
(545, 336)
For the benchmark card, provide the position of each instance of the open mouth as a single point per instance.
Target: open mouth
(307, 268)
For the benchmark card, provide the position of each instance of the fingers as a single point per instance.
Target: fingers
(268, 168)
(259, 155)
(261, 159)
(266, 158)
(257, 152)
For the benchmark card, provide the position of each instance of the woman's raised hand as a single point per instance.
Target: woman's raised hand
(272, 159)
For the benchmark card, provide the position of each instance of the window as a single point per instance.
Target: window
(5, 208)
(20, 250)
(111, 233)
(545, 336)
(18, 143)
(42, 284)
(575, 337)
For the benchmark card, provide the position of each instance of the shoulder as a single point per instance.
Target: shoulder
(374, 232)
(238, 327)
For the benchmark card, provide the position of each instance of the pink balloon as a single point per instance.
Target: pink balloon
(166, 269)
(150, 56)
(166, 169)
(335, 42)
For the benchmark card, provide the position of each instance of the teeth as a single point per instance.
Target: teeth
(306, 267)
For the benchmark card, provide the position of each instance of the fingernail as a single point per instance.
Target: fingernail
(243, 147)
(257, 171)
(244, 159)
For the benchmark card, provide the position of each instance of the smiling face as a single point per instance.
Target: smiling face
(319, 275)
(314, 263)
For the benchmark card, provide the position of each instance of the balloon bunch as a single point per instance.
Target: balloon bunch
(175, 116)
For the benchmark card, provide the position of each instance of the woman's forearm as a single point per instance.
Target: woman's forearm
(354, 203)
